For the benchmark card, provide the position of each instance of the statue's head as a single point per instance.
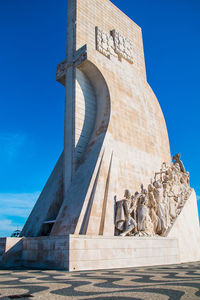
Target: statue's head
(134, 196)
(166, 178)
(145, 192)
(127, 194)
(141, 200)
(156, 184)
(176, 156)
(150, 187)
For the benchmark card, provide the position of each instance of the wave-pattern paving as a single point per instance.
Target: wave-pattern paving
(162, 282)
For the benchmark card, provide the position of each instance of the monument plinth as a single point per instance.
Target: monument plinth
(115, 137)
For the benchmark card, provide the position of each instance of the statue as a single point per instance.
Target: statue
(176, 157)
(166, 201)
(145, 225)
(154, 210)
(158, 194)
(125, 224)
(152, 207)
(134, 200)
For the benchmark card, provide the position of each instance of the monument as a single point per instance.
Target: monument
(115, 197)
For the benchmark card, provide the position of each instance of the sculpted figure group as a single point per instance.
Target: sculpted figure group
(152, 211)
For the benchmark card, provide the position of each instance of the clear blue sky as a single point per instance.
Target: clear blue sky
(33, 41)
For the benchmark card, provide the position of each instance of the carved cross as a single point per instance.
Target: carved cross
(80, 57)
(66, 74)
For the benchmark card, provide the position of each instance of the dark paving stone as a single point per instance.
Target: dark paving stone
(174, 282)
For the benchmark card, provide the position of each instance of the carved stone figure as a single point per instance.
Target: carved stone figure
(145, 224)
(156, 208)
(134, 200)
(172, 206)
(152, 207)
(177, 160)
(124, 222)
(166, 202)
(158, 194)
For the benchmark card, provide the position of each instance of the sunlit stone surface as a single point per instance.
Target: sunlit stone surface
(115, 138)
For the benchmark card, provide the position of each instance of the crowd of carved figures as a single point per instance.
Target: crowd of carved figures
(153, 210)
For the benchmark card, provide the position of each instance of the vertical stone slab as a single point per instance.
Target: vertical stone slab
(70, 78)
(186, 230)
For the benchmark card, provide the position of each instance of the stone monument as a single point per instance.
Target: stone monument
(115, 140)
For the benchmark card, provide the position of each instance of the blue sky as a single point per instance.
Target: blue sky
(33, 41)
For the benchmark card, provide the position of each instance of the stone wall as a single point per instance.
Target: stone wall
(90, 253)
(186, 230)
(11, 252)
(137, 132)
(46, 252)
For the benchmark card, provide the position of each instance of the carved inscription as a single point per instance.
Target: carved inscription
(114, 44)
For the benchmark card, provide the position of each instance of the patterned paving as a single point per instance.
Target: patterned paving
(164, 282)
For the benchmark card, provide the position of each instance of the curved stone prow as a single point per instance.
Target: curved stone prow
(58, 212)
(92, 161)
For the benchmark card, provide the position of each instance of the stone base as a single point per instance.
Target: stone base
(79, 252)
(35, 252)
(84, 252)
(75, 252)
(11, 252)
(90, 253)
(46, 252)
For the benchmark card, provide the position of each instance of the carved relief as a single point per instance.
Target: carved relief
(61, 69)
(123, 46)
(80, 57)
(153, 211)
(125, 223)
(104, 43)
(114, 44)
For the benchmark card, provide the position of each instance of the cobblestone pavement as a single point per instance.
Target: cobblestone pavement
(162, 282)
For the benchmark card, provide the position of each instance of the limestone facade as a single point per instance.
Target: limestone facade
(115, 138)
(128, 140)
(134, 141)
